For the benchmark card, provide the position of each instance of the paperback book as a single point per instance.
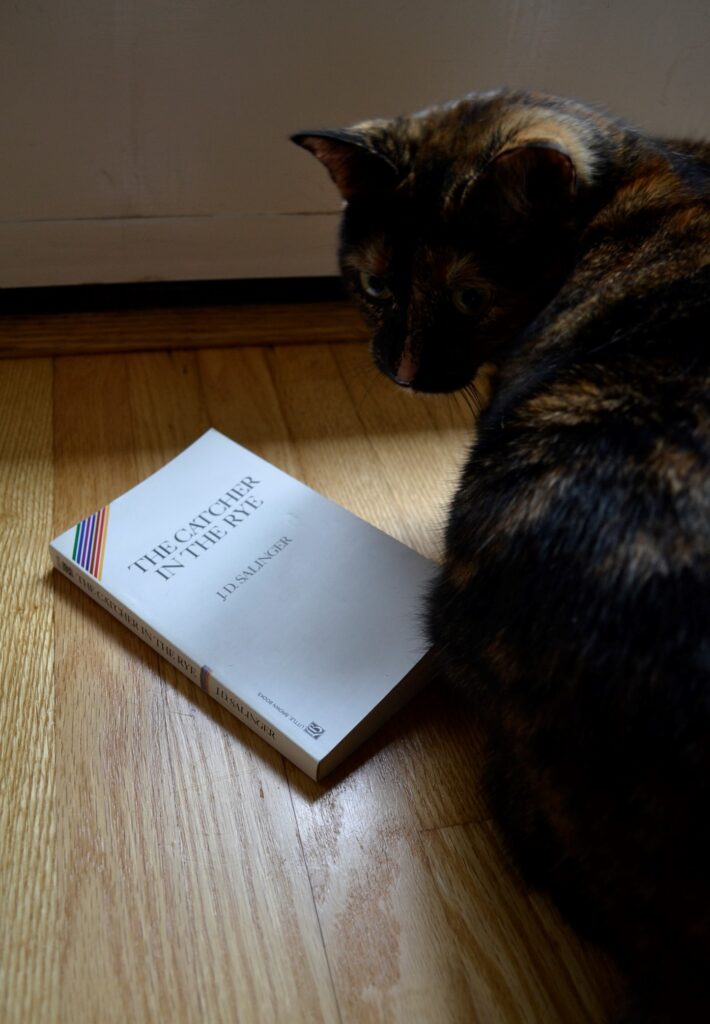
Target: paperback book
(293, 613)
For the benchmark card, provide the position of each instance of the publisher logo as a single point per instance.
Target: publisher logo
(315, 730)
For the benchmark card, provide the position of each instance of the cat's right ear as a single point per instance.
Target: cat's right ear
(533, 180)
(350, 159)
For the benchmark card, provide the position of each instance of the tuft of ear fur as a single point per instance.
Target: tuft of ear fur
(537, 177)
(350, 159)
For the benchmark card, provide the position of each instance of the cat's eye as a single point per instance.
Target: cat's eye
(375, 286)
(469, 301)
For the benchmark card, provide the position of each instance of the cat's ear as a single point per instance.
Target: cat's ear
(353, 163)
(536, 178)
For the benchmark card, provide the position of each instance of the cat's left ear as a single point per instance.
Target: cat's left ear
(353, 163)
(534, 178)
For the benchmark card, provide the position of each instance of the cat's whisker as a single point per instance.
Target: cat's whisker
(460, 396)
(471, 398)
(476, 398)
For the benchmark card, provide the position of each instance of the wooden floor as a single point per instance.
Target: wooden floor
(161, 863)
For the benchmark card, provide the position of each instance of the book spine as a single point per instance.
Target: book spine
(199, 674)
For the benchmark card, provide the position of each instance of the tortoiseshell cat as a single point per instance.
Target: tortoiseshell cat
(559, 260)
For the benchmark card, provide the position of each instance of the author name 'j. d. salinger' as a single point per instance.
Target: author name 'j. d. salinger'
(251, 570)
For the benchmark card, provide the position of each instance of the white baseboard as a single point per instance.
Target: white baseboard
(115, 250)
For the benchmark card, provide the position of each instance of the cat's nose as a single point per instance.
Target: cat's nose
(406, 369)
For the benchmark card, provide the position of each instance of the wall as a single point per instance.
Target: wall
(146, 139)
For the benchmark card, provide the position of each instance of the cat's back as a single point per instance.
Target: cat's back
(623, 348)
(576, 593)
(579, 538)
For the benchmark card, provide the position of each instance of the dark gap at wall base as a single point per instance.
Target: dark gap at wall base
(90, 320)
(92, 298)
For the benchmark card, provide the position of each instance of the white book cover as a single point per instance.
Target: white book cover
(296, 615)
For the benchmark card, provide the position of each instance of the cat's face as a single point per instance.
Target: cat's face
(451, 239)
(429, 296)
(443, 292)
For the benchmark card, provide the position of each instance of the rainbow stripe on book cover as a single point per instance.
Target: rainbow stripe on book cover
(90, 542)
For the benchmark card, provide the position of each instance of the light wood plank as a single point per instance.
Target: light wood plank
(370, 447)
(241, 400)
(28, 948)
(392, 952)
(419, 443)
(519, 966)
(181, 871)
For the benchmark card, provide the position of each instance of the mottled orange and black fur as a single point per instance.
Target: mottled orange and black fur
(558, 262)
